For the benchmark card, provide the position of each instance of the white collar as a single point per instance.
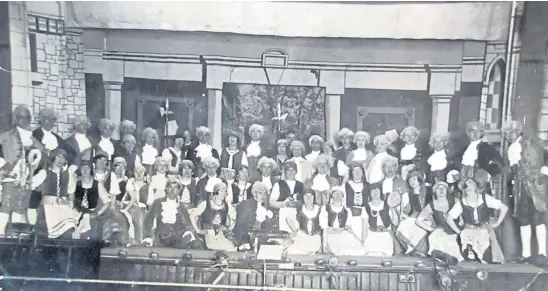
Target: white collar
(46, 131)
(105, 138)
(391, 179)
(475, 143)
(518, 140)
(255, 142)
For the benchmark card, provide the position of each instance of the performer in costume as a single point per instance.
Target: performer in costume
(79, 146)
(148, 152)
(395, 143)
(132, 205)
(316, 144)
(374, 172)
(217, 220)
(255, 150)
(189, 192)
(22, 154)
(127, 127)
(410, 155)
(438, 162)
(173, 224)
(379, 218)
(297, 150)
(337, 168)
(252, 215)
(409, 234)
(361, 154)
(282, 155)
(305, 228)
(50, 141)
(156, 189)
(203, 149)
(106, 143)
(286, 195)
(86, 197)
(344, 137)
(321, 182)
(240, 189)
(475, 208)
(526, 160)
(231, 156)
(433, 219)
(205, 185)
(129, 154)
(266, 166)
(175, 154)
(338, 237)
(357, 189)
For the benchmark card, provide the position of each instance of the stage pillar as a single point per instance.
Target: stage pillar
(441, 107)
(214, 116)
(334, 83)
(113, 105)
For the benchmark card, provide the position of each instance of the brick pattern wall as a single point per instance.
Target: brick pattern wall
(491, 94)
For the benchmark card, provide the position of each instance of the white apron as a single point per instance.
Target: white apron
(478, 238)
(59, 217)
(379, 244)
(344, 243)
(447, 243)
(304, 244)
(410, 231)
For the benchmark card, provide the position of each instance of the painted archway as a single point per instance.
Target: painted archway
(492, 102)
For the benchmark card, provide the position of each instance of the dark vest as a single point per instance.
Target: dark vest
(384, 214)
(332, 215)
(439, 217)
(50, 184)
(334, 171)
(236, 193)
(192, 191)
(342, 153)
(175, 158)
(484, 214)
(350, 193)
(209, 215)
(236, 159)
(92, 196)
(130, 160)
(285, 192)
(304, 220)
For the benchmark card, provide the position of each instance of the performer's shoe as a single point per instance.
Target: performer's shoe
(540, 261)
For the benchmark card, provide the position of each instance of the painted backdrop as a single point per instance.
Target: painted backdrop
(246, 104)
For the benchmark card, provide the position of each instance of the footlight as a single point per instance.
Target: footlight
(320, 262)
(352, 263)
(333, 262)
(154, 256)
(122, 254)
(482, 275)
(387, 264)
(187, 256)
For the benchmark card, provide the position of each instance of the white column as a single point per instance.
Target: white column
(333, 114)
(214, 116)
(113, 105)
(441, 105)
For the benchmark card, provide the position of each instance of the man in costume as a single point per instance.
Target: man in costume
(344, 137)
(255, 150)
(22, 153)
(105, 142)
(79, 145)
(526, 160)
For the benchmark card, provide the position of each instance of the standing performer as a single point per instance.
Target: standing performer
(410, 155)
(525, 158)
(22, 154)
(344, 138)
(316, 144)
(337, 168)
(231, 156)
(361, 154)
(127, 127)
(79, 145)
(374, 170)
(129, 153)
(106, 144)
(149, 152)
(438, 162)
(175, 154)
(202, 150)
(255, 150)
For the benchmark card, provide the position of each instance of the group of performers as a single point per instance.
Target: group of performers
(350, 198)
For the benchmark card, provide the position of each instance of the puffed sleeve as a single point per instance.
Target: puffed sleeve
(456, 211)
(323, 218)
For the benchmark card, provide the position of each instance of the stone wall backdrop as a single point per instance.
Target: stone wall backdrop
(57, 69)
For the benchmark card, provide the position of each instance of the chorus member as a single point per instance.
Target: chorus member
(282, 155)
(130, 154)
(305, 228)
(156, 188)
(479, 154)
(379, 219)
(374, 170)
(266, 166)
(214, 219)
(79, 145)
(438, 162)
(189, 191)
(409, 233)
(338, 237)
(101, 167)
(231, 156)
(392, 182)
(316, 143)
(148, 152)
(133, 203)
(475, 208)
(525, 157)
(205, 185)
(175, 154)
(291, 136)
(21, 153)
(240, 189)
(344, 138)
(361, 154)
(410, 155)
(127, 127)
(86, 197)
(252, 214)
(255, 150)
(433, 219)
(297, 150)
(190, 140)
(173, 224)
(106, 143)
(337, 168)
(321, 182)
(286, 195)
(357, 189)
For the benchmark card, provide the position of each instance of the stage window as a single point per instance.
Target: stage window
(492, 102)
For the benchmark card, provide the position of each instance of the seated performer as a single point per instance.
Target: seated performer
(148, 152)
(344, 138)
(202, 150)
(231, 156)
(374, 172)
(361, 154)
(214, 219)
(410, 154)
(266, 166)
(316, 144)
(205, 185)
(22, 154)
(87, 189)
(432, 219)
(321, 182)
(173, 224)
(79, 145)
(525, 157)
(408, 232)
(379, 217)
(337, 168)
(305, 228)
(338, 237)
(286, 195)
(175, 154)
(156, 188)
(252, 215)
(106, 143)
(189, 192)
(478, 234)
(129, 153)
(240, 189)
(357, 189)
(438, 163)
(132, 202)
(255, 150)
(297, 150)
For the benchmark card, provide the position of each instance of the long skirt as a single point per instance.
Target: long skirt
(344, 243)
(477, 238)
(447, 243)
(410, 233)
(304, 244)
(218, 242)
(379, 244)
(283, 215)
(59, 218)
